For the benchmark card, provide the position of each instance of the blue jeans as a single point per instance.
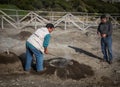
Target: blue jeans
(106, 47)
(30, 50)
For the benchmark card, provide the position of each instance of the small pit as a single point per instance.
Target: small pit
(67, 69)
(8, 57)
(9, 63)
(23, 35)
(60, 62)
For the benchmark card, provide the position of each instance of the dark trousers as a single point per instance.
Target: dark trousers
(106, 47)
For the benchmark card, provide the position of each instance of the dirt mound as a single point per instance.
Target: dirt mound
(23, 35)
(6, 58)
(9, 63)
(67, 69)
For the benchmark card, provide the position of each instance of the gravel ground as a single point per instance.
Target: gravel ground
(73, 44)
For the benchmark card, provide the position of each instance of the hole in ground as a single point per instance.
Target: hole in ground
(6, 58)
(67, 69)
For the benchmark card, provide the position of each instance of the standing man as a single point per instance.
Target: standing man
(105, 31)
(37, 45)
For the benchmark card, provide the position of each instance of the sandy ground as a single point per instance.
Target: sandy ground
(81, 46)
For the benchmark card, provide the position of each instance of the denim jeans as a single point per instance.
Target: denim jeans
(106, 47)
(30, 50)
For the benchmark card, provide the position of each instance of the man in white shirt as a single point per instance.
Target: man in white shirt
(37, 45)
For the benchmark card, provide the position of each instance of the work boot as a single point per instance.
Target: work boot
(110, 62)
(42, 72)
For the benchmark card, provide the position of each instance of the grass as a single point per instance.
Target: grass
(6, 6)
(12, 9)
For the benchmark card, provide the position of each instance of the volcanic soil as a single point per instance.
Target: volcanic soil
(79, 60)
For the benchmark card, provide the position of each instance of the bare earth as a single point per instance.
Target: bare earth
(71, 44)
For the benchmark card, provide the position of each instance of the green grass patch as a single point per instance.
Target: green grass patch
(6, 6)
(12, 10)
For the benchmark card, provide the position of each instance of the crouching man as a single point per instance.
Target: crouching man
(37, 45)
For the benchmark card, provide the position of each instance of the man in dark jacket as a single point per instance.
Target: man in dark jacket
(105, 31)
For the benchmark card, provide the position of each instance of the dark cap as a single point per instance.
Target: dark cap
(49, 25)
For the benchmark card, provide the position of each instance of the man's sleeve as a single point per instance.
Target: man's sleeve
(110, 29)
(46, 40)
(98, 29)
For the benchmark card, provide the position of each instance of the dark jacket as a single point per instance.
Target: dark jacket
(105, 28)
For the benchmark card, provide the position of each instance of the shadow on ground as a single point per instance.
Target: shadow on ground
(85, 52)
(23, 60)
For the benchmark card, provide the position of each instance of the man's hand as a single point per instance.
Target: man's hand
(103, 35)
(98, 33)
(45, 50)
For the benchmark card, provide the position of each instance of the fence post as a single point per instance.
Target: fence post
(52, 17)
(18, 23)
(65, 23)
(35, 23)
(2, 25)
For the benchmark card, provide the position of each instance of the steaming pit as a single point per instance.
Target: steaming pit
(67, 69)
(60, 62)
